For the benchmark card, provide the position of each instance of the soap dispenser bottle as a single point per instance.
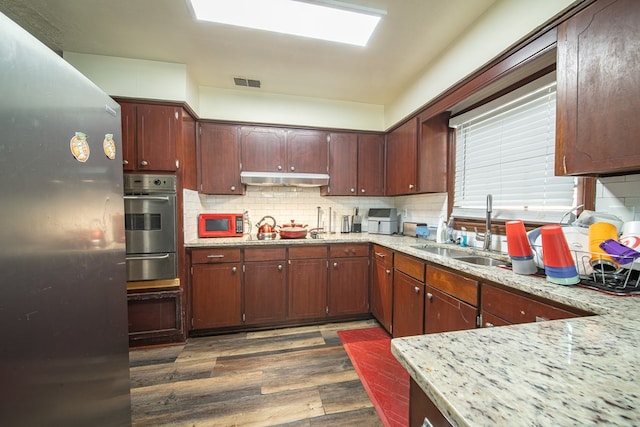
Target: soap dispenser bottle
(441, 232)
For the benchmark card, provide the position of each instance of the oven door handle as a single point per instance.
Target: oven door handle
(161, 198)
(142, 258)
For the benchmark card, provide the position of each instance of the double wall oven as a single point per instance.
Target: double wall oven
(150, 227)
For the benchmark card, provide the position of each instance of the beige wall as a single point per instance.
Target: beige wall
(501, 26)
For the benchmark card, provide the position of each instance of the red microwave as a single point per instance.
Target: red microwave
(220, 225)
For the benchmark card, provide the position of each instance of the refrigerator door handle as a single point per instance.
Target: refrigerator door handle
(142, 258)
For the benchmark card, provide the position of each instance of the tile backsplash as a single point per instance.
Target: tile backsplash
(620, 196)
(301, 204)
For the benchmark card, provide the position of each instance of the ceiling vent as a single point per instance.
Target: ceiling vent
(240, 81)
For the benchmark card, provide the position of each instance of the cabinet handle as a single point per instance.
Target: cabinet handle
(293, 168)
(362, 190)
(388, 271)
(353, 190)
(564, 163)
(488, 325)
(279, 267)
(429, 295)
(416, 289)
(234, 269)
(335, 265)
(279, 167)
(125, 162)
(215, 256)
(233, 188)
(380, 254)
(411, 186)
(144, 163)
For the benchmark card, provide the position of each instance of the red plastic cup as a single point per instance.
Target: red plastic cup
(555, 247)
(517, 241)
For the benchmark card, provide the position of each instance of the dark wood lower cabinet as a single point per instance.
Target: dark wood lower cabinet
(307, 288)
(444, 313)
(216, 295)
(155, 317)
(421, 407)
(382, 286)
(408, 305)
(348, 286)
(265, 292)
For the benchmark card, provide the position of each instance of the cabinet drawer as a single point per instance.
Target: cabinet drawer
(455, 285)
(264, 254)
(214, 255)
(337, 251)
(515, 308)
(383, 254)
(410, 266)
(302, 252)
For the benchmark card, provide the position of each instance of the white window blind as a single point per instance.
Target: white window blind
(506, 148)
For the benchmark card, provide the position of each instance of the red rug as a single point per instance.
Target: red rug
(384, 379)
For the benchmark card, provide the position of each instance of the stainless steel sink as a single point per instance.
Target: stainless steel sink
(480, 260)
(444, 252)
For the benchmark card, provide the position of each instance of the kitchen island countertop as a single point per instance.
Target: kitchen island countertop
(580, 371)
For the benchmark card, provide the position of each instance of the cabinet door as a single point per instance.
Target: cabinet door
(265, 292)
(371, 165)
(262, 149)
(343, 164)
(444, 313)
(598, 95)
(408, 305)
(348, 286)
(307, 288)
(402, 147)
(156, 137)
(432, 154)
(382, 293)
(307, 151)
(128, 116)
(216, 295)
(219, 159)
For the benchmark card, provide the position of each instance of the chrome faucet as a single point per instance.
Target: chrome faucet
(486, 236)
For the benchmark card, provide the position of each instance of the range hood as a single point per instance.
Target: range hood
(284, 179)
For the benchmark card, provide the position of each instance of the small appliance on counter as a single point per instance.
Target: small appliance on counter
(220, 225)
(383, 221)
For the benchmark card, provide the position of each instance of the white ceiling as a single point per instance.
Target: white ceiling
(407, 40)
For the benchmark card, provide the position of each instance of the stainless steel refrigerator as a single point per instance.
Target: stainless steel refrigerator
(64, 357)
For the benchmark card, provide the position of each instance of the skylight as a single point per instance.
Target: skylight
(292, 17)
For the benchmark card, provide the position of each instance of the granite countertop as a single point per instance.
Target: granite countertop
(580, 371)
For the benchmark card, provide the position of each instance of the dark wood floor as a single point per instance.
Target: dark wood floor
(286, 377)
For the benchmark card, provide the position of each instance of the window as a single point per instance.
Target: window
(506, 148)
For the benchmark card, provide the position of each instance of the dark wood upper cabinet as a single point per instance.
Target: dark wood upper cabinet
(219, 159)
(432, 154)
(266, 149)
(598, 95)
(371, 165)
(356, 165)
(402, 151)
(263, 149)
(149, 136)
(343, 165)
(307, 151)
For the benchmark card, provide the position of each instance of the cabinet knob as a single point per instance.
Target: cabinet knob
(388, 271)
(429, 295)
(335, 265)
(411, 186)
(233, 188)
(362, 190)
(416, 289)
(488, 325)
(353, 190)
(279, 267)
(144, 163)
(279, 167)
(293, 168)
(234, 269)
(125, 162)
